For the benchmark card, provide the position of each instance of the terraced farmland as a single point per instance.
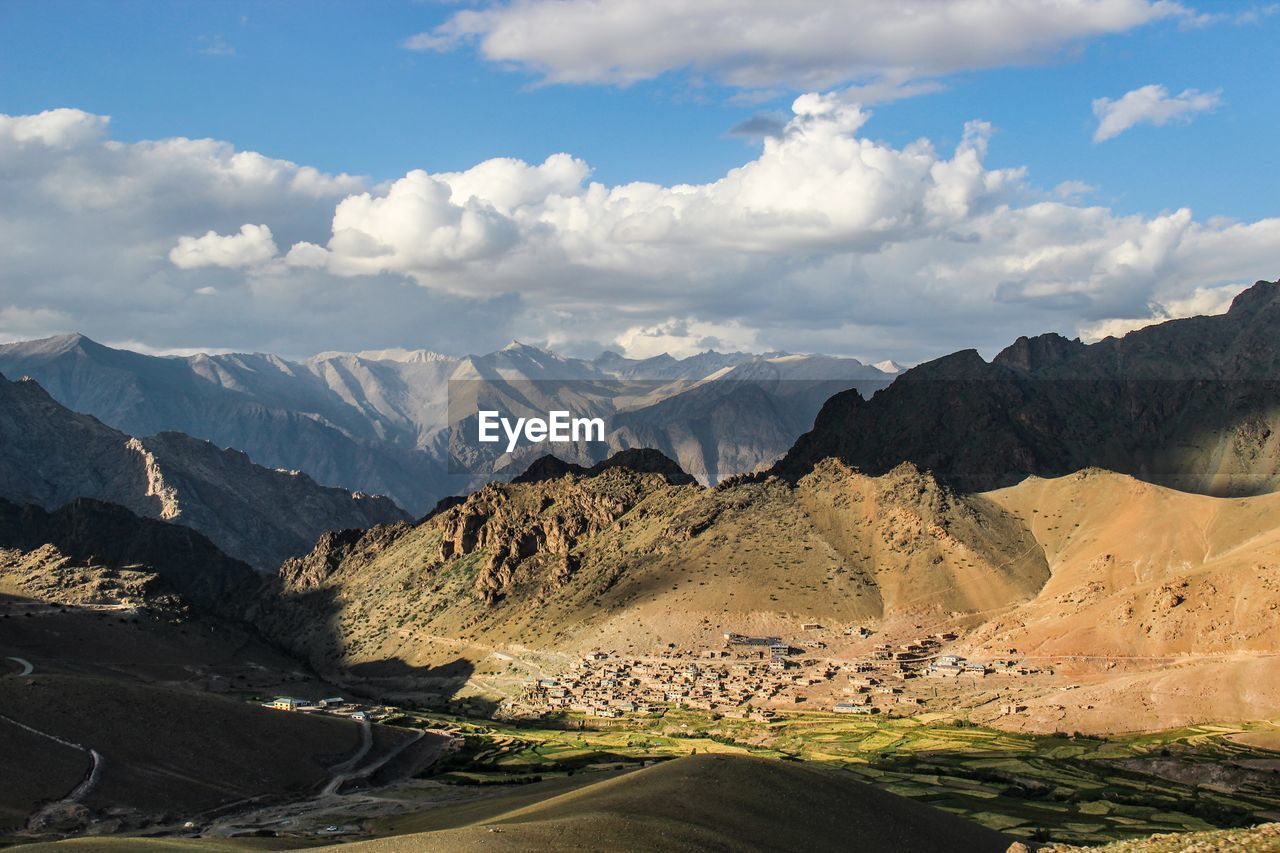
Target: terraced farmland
(1070, 789)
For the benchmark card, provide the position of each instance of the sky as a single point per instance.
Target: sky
(858, 177)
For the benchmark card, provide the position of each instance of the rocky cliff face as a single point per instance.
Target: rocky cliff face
(1193, 404)
(533, 534)
(50, 456)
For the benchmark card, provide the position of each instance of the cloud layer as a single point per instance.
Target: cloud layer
(758, 44)
(1149, 105)
(824, 241)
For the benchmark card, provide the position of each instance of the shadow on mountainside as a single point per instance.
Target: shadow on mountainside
(102, 549)
(1190, 404)
(96, 533)
(309, 623)
(430, 686)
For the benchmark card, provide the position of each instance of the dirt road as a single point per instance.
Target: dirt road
(27, 668)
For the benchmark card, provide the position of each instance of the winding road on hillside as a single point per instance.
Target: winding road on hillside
(346, 771)
(26, 665)
(80, 791)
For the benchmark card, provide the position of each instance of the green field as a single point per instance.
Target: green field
(1059, 788)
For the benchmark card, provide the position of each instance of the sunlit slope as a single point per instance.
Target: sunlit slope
(628, 560)
(1138, 569)
(1163, 607)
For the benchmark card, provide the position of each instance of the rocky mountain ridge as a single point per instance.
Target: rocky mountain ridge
(379, 421)
(50, 456)
(1193, 404)
(1095, 565)
(558, 561)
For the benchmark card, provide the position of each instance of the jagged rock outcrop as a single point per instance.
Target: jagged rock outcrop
(1193, 404)
(511, 525)
(638, 460)
(50, 455)
(311, 570)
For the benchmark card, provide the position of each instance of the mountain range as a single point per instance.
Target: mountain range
(50, 456)
(1077, 563)
(379, 422)
(1093, 526)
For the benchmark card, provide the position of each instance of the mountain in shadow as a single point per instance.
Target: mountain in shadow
(1191, 404)
(50, 455)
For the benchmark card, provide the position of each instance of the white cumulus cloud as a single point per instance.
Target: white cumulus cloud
(252, 245)
(1149, 105)
(889, 46)
(816, 188)
(824, 239)
(682, 338)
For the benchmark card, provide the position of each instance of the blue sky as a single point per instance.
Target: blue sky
(326, 83)
(331, 85)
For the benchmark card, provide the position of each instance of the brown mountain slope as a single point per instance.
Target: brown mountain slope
(1161, 608)
(715, 802)
(629, 560)
(1137, 569)
(88, 532)
(1156, 607)
(50, 455)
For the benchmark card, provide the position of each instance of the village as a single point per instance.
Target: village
(334, 706)
(754, 677)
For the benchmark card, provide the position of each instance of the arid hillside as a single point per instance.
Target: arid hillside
(1160, 609)
(1140, 593)
(91, 533)
(629, 560)
(1137, 569)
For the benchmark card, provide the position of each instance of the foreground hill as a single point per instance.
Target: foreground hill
(160, 751)
(379, 422)
(713, 802)
(50, 455)
(1193, 404)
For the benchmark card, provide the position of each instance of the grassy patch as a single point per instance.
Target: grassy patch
(1058, 788)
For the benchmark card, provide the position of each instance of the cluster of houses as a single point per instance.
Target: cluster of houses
(335, 705)
(752, 676)
(747, 673)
